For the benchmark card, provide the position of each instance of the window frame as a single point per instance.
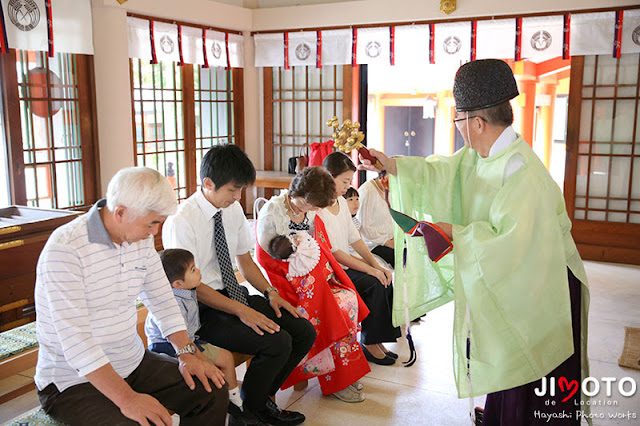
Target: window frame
(86, 119)
(189, 117)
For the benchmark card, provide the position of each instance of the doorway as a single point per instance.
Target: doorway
(406, 132)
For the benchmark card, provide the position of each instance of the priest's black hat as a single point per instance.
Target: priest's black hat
(483, 84)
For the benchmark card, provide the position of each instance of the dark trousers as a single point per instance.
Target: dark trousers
(158, 376)
(517, 406)
(275, 355)
(386, 253)
(377, 326)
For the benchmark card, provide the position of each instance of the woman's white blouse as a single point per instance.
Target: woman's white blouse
(376, 222)
(342, 232)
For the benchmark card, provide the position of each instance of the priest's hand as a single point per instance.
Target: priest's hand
(388, 164)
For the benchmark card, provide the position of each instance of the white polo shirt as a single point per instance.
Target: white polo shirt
(191, 228)
(86, 290)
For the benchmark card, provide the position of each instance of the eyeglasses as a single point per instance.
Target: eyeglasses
(455, 120)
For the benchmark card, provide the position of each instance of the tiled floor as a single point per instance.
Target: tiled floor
(425, 393)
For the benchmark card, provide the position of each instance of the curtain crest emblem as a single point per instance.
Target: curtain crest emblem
(373, 49)
(303, 51)
(216, 50)
(166, 44)
(24, 14)
(635, 35)
(452, 45)
(541, 40)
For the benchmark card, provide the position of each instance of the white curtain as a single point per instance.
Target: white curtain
(192, 52)
(631, 31)
(236, 50)
(219, 52)
(412, 44)
(216, 49)
(303, 48)
(26, 25)
(336, 47)
(269, 50)
(165, 42)
(542, 37)
(592, 33)
(496, 39)
(373, 46)
(453, 42)
(139, 41)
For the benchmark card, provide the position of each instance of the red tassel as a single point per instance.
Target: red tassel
(180, 45)
(226, 46)
(566, 37)
(47, 4)
(432, 43)
(518, 48)
(204, 48)
(354, 47)
(4, 44)
(474, 29)
(617, 41)
(154, 59)
(286, 51)
(318, 49)
(392, 45)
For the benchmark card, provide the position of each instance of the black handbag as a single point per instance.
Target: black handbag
(297, 164)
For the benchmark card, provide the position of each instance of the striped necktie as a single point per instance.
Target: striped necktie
(224, 261)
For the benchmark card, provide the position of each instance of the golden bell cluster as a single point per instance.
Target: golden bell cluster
(348, 136)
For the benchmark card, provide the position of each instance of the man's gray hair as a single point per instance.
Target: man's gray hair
(141, 190)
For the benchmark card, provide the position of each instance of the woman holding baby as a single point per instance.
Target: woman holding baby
(306, 274)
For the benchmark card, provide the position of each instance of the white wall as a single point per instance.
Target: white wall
(113, 95)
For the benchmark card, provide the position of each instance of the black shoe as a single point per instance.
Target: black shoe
(390, 354)
(277, 417)
(237, 417)
(380, 361)
(479, 414)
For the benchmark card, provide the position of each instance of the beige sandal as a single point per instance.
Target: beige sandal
(349, 394)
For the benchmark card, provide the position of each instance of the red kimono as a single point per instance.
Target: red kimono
(328, 299)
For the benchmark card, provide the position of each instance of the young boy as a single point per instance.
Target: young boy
(353, 201)
(180, 268)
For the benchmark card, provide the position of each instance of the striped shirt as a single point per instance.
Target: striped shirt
(86, 287)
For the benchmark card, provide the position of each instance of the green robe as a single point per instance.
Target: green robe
(511, 249)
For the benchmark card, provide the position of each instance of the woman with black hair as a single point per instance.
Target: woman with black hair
(372, 281)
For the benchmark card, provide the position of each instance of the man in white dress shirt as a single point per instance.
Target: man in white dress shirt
(92, 366)
(211, 224)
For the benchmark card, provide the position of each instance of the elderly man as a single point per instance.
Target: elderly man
(519, 283)
(92, 366)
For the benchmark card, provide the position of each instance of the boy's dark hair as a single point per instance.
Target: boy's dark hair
(351, 192)
(337, 163)
(315, 186)
(175, 263)
(280, 247)
(227, 163)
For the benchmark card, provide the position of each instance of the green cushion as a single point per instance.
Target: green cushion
(17, 340)
(37, 417)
